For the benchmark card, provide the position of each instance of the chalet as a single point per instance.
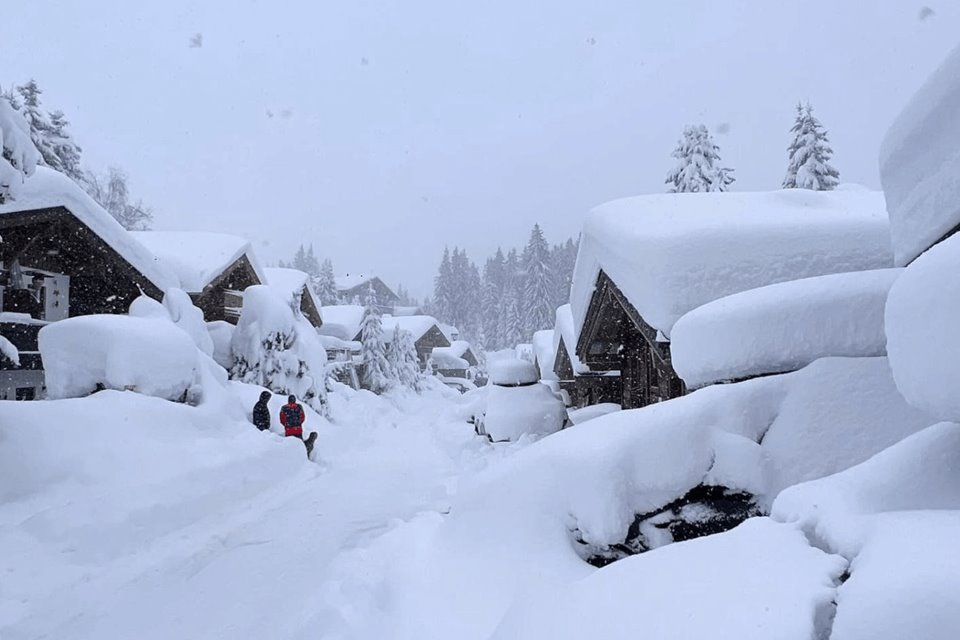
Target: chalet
(353, 289)
(341, 324)
(646, 261)
(295, 284)
(214, 268)
(425, 330)
(580, 386)
(456, 361)
(62, 255)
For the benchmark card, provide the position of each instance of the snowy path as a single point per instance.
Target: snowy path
(256, 568)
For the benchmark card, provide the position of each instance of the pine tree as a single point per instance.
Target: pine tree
(403, 361)
(810, 152)
(66, 153)
(493, 285)
(376, 370)
(510, 326)
(443, 289)
(537, 301)
(112, 193)
(49, 133)
(18, 155)
(698, 164)
(324, 285)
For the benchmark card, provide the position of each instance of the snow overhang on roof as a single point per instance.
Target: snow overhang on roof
(671, 253)
(47, 189)
(341, 321)
(292, 282)
(199, 257)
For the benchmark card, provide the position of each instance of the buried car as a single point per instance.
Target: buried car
(517, 404)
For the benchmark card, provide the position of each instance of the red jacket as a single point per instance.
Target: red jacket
(292, 419)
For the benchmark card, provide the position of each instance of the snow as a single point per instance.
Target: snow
(347, 282)
(512, 371)
(531, 410)
(565, 330)
(920, 164)
(545, 353)
(9, 351)
(221, 335)
(342, 321)
(19, 157)
(761, 580)
(671, 253)
(782, 327)
(147, 354)
(585, 414)
(189, 318)
(48, 188)
(292, 282)
(418, 326)
(444, 358)
(198, 257)
(922, 316)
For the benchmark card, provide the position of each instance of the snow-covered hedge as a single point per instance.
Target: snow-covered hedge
(920, 164)
(782, 327)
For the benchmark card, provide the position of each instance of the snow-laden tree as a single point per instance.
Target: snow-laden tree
(18, 155)
(810, 152)
(376, 371)
(538, 290)
(66, 151)
(113, 194)
(443, 289)
(48, 132)
(402, 359)
(324, 285)
(698, 167)
(491, 296)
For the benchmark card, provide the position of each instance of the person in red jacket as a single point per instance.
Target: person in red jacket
(292, 417)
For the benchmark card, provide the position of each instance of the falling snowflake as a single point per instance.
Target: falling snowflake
(269, 113)
(591, 41)
(286, 113)
(364, 62)
(723, 128)
(926, 12)
(196, 41)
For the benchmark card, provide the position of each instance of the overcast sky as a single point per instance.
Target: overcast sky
(400, 126)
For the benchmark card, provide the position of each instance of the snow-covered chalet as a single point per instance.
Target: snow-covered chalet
(353, 289)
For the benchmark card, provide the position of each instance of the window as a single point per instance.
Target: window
(26, 393)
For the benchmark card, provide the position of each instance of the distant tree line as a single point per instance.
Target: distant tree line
(49, 131)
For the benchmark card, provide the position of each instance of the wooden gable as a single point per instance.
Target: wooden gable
(219, 300)
(309, 309)
(562, 366)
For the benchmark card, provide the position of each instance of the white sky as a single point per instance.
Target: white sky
(417, 123)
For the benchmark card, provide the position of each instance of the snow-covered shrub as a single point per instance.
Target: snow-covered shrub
(149, 355)
(18, 155)
(275, 347)
(188, 317)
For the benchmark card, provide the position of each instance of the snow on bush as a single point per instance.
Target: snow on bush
(782, 327)
(188, 317)
(922, 318)
(221, 335)
(18, 155)
(275, 347)
(920, 164)
(671, 253)
(149, 355)
(9, 351)
(761, 580)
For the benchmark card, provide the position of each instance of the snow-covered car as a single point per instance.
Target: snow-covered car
(517, 404)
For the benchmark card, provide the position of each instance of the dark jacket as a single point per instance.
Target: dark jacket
(261, 415)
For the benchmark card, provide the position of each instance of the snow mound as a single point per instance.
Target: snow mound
(9, 351)
(292, 282)
(760, 580)
(565, 330)
(671, 253)
(585, 414)
(342, 321)
(545, 353)
(444, 358)
(922, 316)
(198, 257)
(782, 327)
(189, 318)
(48, 188)
(149, 355)
(512, 412)
(221, 334)
(920, 164)
(512, 372)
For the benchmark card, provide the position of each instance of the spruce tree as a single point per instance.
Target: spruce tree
(324, 285)
(18, 155)
(698, 164)
(49, 133)
(403, 361)
(810, 153)
(538, 289)
(376, 370)
(443, 289)
(493, 276)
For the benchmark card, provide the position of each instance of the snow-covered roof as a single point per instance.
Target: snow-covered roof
(47, 188)
(783, 327)
(416, 325)
(545, 351)
(457, 350)
(448, 330)
(444, 358)
(341, 321)
(565, 330)
(920, 162)
(199, 257)
(671, 253)
(293, 282)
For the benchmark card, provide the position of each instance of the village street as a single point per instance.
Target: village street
(257, 567)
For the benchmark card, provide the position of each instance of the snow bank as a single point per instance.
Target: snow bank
(48, 188)
(579, 416)
(920, 164)
(671, 253)
(782, 327)
(189, 318)
(150, 355)
(761, 580)
(922, 317)
(545, 353)
(198, 257)
(565, 329)
(512, 412)
(342, 321)
(221, 335)
(512, 371)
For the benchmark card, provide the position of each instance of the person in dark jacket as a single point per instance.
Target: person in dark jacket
(261, 412)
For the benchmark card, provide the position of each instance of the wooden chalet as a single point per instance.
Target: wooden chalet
(353, 289)
(425, 330)
(585, 388)
(456, 361)
(213, 268)
(296, 284)
(62, 255)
